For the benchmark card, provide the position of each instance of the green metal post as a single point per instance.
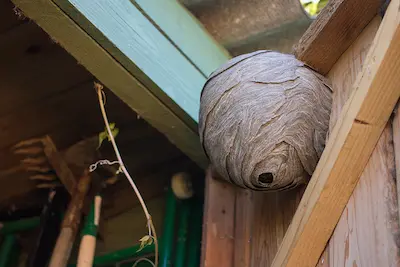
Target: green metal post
(19, 226)
(183, 225)
(6, 249)
(195, 233)
(167, 241)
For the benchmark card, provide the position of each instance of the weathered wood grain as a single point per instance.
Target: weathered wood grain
(273, 214)
(59, 165)
(367, 233)
(186, 33)
(367, 227)
(396, 143)
(244, 214)
(218, 223)
(333, 31)
(354, 136)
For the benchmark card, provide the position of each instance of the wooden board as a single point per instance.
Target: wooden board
(44, 118)
(113, 75)
(8, 20)
(142, 49)
(354, 137)
(334, 30)
(218, 223)
(396, 143)
(367, 232)
(33, 67)
(369, 225)
(244, 213)
(186, 33)
(271, 219)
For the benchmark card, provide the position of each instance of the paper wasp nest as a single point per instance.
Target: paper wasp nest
(263, 120)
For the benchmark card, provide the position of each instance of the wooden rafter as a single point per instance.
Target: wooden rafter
(149, 67)
(334, 30)
(350, 145)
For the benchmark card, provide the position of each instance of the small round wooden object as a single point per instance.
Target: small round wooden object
(181, 184)
(263, 120)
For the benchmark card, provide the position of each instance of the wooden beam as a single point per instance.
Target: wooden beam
(396, 143)
(186, 33)
(129, 55)
(372, 207)
(349, 147)
(59, 165)
(333, 31)
(218, 223)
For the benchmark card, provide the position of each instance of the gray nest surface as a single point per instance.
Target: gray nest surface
(263, 120)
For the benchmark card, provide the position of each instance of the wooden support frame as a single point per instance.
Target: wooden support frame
(334, 30)
(155, 74)
(347, 152)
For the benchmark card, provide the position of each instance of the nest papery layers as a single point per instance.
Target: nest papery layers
(263, 120)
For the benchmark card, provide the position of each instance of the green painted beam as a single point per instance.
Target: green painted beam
(141, 48)
(98, 55)
(186, 32)
(157, 69)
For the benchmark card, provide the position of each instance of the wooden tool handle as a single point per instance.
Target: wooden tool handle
(86, 251)
(72, 218)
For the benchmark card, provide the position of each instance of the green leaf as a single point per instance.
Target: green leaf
(103, 135)
(147, 240)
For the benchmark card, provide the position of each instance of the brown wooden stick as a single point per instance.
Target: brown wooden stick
(72, 218)
(58, 163)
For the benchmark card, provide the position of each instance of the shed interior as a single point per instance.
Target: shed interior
(45, 91)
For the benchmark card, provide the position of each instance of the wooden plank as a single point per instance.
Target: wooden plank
(186, 33)
(59, 165)
(114, 76)
(74, 109)
(354, 137)
(218, 223)
(367, 231)
(142, 49)
(243, 227)
(368, 226)
(334, 30)
(396, 142)
(33, 67)
(273, 213)
(8, 17)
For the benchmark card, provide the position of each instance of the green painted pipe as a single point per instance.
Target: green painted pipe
(6, 249)
(183, 225)
(121, 255)
(167, 242)
(195, 234)
(19, 226)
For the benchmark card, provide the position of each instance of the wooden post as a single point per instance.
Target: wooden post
(70, 225)
(347, 152)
